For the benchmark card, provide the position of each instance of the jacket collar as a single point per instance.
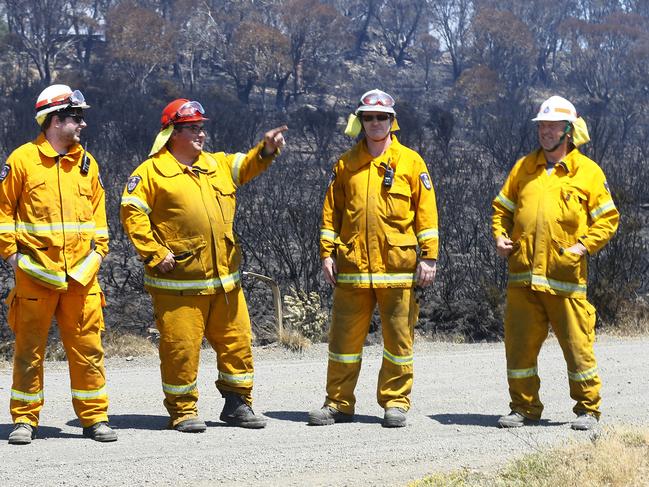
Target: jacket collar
(168, 165)
(360, 155)
(47, 150)
(537, 158)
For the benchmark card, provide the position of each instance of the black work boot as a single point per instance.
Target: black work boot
(236, 412)
(191, 425)
(327, 415)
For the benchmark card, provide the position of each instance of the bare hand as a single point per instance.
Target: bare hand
(273, 140)
(12, 260)
(168, 263)
(504, 246)
(329, 270)
(426, 271)
(578, 249)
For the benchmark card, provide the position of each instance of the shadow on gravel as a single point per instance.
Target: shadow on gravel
(303, 417)
(42, 432)
(467, 419)
(470, 419)
(132, 421)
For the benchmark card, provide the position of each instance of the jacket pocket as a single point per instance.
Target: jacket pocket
(41, 200)
(225, 192)
(519, 259)
(398, 201)
(84, 202)
(572, 207)
(566, 266)
(402, 252)
(232, 252)
(346, 254)
(188, 254)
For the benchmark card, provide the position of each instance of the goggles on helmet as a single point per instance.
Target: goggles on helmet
(188, 109)
(76, 98)
(378, 98)
(73, 99)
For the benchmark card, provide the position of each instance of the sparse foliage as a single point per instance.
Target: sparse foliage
(304, 314)
(467, 76)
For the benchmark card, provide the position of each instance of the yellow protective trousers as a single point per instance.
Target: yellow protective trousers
(351, 317)
(527, 319)
(183, 321)
(80, 321)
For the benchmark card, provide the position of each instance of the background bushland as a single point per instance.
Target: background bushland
(467, 74)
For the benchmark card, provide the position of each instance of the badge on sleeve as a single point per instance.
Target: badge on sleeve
(425, 179)
(132, 183)
(4, 172)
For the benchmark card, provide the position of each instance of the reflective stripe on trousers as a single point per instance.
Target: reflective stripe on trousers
(528, 316)
(182, 322)
(80, 321)
(351, 316)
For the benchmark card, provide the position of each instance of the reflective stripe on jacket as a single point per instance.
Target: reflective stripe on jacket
(53, 214)
(189, 210)
(544, 214)
(372, 229)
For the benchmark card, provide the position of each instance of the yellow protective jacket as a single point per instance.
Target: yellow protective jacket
(546, 213)
(167, 206)
(52, 211)
(374, 230)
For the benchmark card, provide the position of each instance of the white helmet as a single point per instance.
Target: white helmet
(556, 109)
(376, 101)
(55, 98)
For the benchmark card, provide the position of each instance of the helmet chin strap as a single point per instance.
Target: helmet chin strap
(566, 131)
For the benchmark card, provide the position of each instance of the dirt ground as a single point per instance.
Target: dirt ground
(460, 390)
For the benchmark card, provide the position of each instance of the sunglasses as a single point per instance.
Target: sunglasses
(194, 129)
(77, 117)
(381, 118)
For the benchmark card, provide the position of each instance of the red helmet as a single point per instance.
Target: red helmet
(182, 111)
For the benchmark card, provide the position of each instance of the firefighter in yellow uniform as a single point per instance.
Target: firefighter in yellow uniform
(53, 233)
(554, 210)
(378, 209)
(178, 210)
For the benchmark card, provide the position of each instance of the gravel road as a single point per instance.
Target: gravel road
(459, 392)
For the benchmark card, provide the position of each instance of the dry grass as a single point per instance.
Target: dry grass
(116, 344)
(615, 457)
(119, 344)
(294, 340)
(633, 321)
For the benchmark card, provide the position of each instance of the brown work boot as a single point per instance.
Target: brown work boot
(237, 412)
(22, 434)
(327, 415)
(100, 432)
(191, 425)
